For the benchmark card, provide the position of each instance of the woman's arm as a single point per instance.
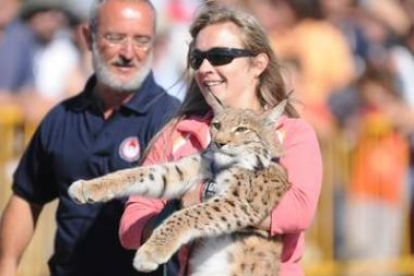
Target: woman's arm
(302, 159)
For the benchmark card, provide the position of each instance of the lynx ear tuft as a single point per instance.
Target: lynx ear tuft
(272, 116)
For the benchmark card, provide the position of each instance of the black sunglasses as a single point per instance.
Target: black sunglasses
(217, 56)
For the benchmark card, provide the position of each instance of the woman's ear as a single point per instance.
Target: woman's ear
(260, 63)
(87, 35)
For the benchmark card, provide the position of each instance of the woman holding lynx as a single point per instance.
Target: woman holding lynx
(230, 56)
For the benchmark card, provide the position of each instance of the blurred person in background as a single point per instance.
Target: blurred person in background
(380, 46)
(8, 11)
(319, 52)
(403, 114)
(387, 25)
(377, 190)
(344, 15)
(171, 43)
(172, 40)
(98, 131)
(80, 72)
(374, 31)
(36, 53)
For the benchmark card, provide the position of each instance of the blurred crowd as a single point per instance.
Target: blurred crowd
(43, 59)
(350, 64)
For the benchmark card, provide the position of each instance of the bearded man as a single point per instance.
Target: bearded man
(103, 129)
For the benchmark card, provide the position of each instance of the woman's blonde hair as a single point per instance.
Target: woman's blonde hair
(271, 89)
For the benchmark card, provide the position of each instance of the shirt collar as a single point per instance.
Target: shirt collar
(141, 101)
(86, 98)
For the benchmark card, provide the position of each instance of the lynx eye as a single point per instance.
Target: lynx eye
(242, 129)
(216, 125)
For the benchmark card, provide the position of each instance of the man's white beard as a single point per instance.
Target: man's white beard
(106, 77)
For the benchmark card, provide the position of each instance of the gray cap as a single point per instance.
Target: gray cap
(82, 8)
(31, 7)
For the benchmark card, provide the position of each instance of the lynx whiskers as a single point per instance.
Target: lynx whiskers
(242, 162)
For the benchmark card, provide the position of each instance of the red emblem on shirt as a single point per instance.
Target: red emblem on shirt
(129, 150)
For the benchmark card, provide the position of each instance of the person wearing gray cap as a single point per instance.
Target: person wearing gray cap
(25, 49)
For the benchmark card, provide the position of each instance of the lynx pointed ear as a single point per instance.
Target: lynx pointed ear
(213, 102)
(272, 116)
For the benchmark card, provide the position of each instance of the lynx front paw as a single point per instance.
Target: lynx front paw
(76, 192)
(83, 192)
(147, 259)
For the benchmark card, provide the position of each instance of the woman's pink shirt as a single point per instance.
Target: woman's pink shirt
(291, 217)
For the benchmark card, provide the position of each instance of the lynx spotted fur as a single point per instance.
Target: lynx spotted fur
(249, 182)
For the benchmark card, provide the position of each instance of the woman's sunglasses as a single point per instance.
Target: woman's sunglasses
(216, 56)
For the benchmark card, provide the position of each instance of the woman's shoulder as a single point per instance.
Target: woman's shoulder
(295, 127)
(292, 123)
(197, 126)
(187, 125)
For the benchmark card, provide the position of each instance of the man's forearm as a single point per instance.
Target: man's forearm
(17, 226)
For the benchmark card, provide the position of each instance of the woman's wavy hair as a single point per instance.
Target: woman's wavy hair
(271, 89)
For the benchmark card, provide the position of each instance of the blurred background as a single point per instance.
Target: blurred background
(350, 64)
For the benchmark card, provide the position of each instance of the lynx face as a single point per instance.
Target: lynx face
(243, 138)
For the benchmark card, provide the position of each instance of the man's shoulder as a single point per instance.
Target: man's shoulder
(62, 109)
(168, 100)
(156, 100)
(161, 95)
(163, 109)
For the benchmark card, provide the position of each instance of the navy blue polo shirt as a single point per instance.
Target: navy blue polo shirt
(73, 142)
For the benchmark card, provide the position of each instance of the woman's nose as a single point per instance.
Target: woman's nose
(205, 66)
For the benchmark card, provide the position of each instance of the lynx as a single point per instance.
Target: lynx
(242, 161)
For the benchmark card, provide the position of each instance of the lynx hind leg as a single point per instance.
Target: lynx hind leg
(169, 180)
(164, 242)
(255, 256)
(182, 227)
(210, 218)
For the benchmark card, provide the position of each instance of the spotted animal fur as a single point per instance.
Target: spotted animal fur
(250, 183)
